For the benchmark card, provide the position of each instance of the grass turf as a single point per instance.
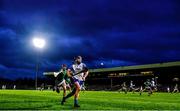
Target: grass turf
(101, 100)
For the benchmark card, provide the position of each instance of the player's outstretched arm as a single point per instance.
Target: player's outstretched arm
(69, 73)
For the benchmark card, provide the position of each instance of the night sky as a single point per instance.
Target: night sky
(113, 32)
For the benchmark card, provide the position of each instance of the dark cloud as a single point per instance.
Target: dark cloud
(14, 73)
(116, 33)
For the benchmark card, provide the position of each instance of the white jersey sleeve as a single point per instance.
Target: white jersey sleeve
(56, 73)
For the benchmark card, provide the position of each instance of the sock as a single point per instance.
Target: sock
(75, 101)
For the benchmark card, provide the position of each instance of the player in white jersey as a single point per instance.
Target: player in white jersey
(123, 88)
(78, 77)
(153, 85)
(168, 89)
(175, 89)
(132, 87)
(140, 90)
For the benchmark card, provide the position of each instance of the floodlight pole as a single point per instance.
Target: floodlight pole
(37, 69)
(111, 83)
(39, 44)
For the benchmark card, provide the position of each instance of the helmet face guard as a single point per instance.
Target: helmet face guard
(78, 59)
(64, 66)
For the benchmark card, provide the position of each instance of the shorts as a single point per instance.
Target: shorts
(79, 81)
(68, 81)
(132, 88)
(148, 88)
(153, 87)
(59, 83)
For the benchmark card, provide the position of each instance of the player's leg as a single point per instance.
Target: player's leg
(174, 90)
(57, 89)
(119, 90)
(68, 96)
(69, 87)
(133, 90)
(83, 87)
(72, 92)
(141, 90)
(145, 89)
(130, 89)
(125, 90)
(76, 96)
(68, 84)
(64, 88)
(154, 89)
(57, 85)
(149, 91)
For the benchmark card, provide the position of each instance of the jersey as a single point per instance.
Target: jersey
(123, 85)
(131, 85)
(153, 83)
(60, 76)
(176, 86)
(75, 68)
(67, 79)
(147, 84)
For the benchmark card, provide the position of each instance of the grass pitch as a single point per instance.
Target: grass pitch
(93, 100)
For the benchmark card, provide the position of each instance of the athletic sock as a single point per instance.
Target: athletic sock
(75, 101)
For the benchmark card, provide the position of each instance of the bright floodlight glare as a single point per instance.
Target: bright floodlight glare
(102, 63)
(39, 42)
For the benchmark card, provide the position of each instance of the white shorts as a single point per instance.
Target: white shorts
(62, 83)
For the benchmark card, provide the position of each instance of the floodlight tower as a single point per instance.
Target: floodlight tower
(38, 43)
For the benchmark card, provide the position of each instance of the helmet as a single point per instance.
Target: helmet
(77, 57)
(64, 65)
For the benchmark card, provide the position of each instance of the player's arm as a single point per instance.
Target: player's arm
(86, 72)
(85, 75)
(69, 73)
(56, 74)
